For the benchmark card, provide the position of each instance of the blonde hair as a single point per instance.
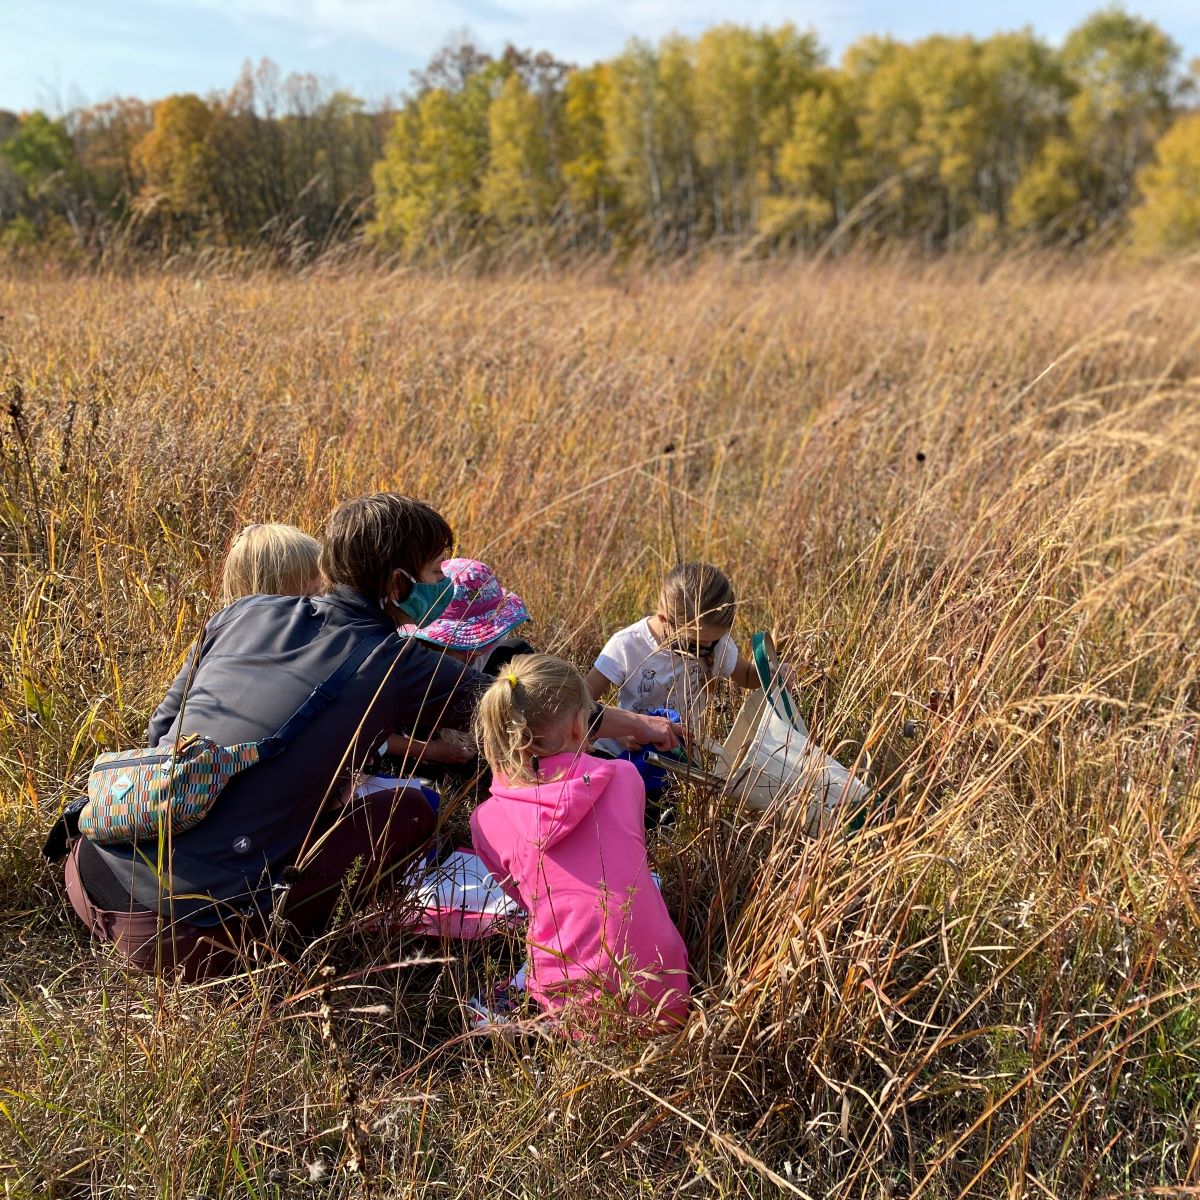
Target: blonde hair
(698, 593)
(271, 560)
(532, 695)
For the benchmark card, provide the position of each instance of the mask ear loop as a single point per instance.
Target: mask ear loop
(388, 601)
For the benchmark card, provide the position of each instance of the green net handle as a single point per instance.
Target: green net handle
(763, 650)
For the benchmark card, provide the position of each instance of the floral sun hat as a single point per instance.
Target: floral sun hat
(478, 613)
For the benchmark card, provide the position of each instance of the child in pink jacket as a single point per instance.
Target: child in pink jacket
(564, 833)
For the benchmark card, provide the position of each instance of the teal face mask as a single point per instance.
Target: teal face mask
(426, 602)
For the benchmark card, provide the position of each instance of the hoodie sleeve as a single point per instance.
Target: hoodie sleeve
(632, 787)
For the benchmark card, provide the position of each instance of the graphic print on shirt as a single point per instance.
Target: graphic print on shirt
(649, 675)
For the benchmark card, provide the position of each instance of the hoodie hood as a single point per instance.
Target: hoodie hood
(568, 788)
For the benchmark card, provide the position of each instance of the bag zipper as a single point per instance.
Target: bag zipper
(152, 760)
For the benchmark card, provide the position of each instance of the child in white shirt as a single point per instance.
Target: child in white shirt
(669, 659)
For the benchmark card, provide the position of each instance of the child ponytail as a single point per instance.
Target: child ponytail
(519, 714)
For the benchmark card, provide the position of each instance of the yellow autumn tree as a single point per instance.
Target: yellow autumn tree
(1167, 219)
(176, 159)
(592, 192)
(520, 188)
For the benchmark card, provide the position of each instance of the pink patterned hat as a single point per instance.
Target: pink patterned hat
(480, 611)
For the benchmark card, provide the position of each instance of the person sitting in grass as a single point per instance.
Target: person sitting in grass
(563, 833)
(285, 842)
(668, 660)
(478, 618)
(271, 560)
(281, 560)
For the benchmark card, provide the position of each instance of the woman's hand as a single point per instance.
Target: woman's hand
(448, 747)
(635, 730)
(661, 733)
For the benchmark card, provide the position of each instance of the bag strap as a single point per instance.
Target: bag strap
(319, 697)
(776, 695)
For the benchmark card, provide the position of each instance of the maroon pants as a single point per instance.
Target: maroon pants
(376, 835)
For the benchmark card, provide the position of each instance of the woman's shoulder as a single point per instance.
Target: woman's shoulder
(248, 615)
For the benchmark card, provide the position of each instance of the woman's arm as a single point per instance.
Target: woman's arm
(436, 749)
(434, 690)
(167, 713)
(646, 731)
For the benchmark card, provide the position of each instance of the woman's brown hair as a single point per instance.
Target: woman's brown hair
(369, 537)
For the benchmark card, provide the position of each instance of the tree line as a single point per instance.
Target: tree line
(743, 136)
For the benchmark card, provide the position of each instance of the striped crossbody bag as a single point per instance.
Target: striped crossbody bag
(140, 795)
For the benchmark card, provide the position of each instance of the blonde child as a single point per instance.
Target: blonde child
(271, 560)
(669, 659)
(563, 831)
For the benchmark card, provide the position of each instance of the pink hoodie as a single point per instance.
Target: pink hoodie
(572, 851)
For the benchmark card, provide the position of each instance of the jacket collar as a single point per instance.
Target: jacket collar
(357, 605)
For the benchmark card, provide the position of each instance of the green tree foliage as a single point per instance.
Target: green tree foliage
(739, 135)
(1125, 77)
(1168, 217)
(39, 151)
(520, 186)
(39, 184)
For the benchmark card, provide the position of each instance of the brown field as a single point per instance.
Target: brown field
(968, 497)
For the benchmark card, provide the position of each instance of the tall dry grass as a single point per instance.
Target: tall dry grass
(967, 498)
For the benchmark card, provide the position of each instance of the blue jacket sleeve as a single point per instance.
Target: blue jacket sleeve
(166, 714)
(442, 692)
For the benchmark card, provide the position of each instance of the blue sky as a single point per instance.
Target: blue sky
(57, 53)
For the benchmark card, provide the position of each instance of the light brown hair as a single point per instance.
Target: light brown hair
(532, 695)
(271, 560)
(369, 537)
(697, 593)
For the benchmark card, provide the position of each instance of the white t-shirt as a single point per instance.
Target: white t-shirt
(650, 677)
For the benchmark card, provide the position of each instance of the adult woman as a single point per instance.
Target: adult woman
(279, 833)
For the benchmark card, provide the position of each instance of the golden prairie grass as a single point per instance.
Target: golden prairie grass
(965, 497)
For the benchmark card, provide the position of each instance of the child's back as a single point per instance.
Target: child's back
(574, 849)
